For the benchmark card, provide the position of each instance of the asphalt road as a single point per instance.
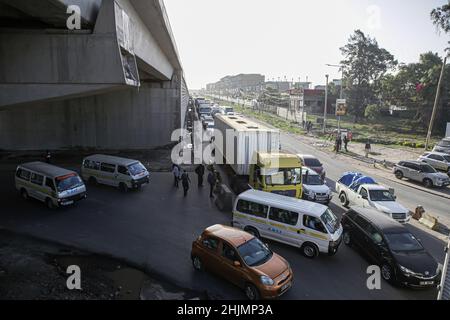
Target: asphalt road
(154, 228)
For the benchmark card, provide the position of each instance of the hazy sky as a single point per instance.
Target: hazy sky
(293, 38)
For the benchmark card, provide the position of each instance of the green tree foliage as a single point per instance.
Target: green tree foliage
(372, 112)
(441, 18)
(365, 64)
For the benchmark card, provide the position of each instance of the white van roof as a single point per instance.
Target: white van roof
(46, 169)
(111, 159)
(283, 202)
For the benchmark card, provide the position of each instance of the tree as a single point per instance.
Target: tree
(441, 18)
(365, 64)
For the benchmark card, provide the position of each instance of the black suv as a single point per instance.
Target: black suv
(388, 244)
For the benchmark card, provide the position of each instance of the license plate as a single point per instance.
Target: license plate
(68, 203)
(426, 283)
(285, 287)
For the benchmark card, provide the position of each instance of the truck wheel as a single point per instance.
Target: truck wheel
(399, 175)
(49, 204)
(343, 199)
(24, 194)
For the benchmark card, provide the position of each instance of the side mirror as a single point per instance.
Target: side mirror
(237, 264)
(365, 197)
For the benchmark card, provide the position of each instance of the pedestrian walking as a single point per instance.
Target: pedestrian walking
(338, 143)
(367, 148)
(176, 175)
(185, 181)
(346, 143)
(212, 179)
(200, 171)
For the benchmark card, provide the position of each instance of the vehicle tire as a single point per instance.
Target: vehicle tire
(24, 194)
(123, 187)
(92, 181)
(387, 273)
(399, 175)
(253, 232)
(428, 183)
(343, 199)
(49, 204)
(197, 263)
(310, 250)
(347, 239)
(251, 292)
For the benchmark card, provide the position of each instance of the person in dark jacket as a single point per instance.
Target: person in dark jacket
(212, 179)
(185, 181)
(200, 171)
(176, 174)
(48, 157)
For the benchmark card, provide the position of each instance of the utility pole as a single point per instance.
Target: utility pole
(326, 106)
(436, 101)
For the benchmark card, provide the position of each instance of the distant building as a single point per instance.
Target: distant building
(314, 101)
(320, 87)
(240, 82)
(280, 86)
(303, 85)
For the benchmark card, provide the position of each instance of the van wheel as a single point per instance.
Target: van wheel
(49, 204)
(24, 194)
(253, 232)
(251, 292)
(197, 263)
(92, 181)
(343, 199)
(347, 239)
(123, 187)
(428, 183)
(399, 175)
(309, 250)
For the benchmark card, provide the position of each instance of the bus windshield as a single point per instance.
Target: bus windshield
(68, 182)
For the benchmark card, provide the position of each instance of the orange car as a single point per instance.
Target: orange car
(243, 260)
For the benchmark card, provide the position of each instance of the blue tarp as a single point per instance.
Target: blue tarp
(354, 179)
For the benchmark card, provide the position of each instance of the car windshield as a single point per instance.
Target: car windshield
(447, 158)
(283, 176)
(428, 169)
(381, 195)
(403, 242)
(312, 162)
(312, 180)
(330, 221)
(68, 182)
(254, 252)
(136, 168)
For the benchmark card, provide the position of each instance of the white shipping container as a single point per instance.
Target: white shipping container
(247, 137)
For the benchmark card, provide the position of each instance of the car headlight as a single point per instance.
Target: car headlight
(267, 281)
(406, 271)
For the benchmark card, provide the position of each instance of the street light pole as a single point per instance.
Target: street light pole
(326, 105)
(436, 101)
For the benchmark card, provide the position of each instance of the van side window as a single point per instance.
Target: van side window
(106, 167)
(210, 243)
(252, 208)
(122, 170)
(37, 179)
(87, 164)
(49, 183)
(23, 174)
(313, 223)
(283, 216)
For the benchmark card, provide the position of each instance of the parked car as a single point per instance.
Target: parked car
(438, 160)
(244, 260)
(313, 163)
(388, 244)
(421, 172)
(443, 146)
(314, 187)
(55, 186)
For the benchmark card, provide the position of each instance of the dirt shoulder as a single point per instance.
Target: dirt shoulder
(32, 269)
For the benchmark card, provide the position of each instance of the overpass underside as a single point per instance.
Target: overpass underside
(117, 83)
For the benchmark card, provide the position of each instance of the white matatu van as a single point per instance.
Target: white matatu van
(52, 185)
(114, 171)
(310, 226)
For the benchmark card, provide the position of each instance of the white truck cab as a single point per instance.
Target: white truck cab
(355, 189)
